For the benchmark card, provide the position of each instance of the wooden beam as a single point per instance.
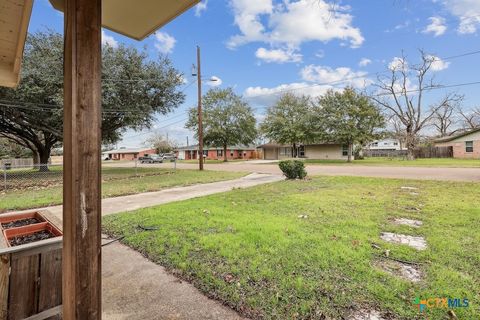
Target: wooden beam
(81, 181)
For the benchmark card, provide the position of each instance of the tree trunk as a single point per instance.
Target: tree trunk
(36, 158)
(350, 151)
(225, 158)
(44, 155)
(294, 151)
(410, 144)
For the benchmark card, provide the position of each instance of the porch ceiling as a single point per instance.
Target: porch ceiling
(14, 19)
(137, 19)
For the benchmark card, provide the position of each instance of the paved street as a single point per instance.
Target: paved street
(424, 173)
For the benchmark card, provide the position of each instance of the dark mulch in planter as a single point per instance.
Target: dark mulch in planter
(20, 223)
(37, 236)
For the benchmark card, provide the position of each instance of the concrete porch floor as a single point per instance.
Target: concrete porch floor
(134, 287)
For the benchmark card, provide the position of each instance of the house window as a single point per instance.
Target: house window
(395, 143)
(205, 153)
(286, 151)
(468, 146)
(345, 150)
(301, 151)
(219, 153)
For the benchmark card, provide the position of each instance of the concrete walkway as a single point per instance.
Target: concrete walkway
(134, 287)
(150, 199)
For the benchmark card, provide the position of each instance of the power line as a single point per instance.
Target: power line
(156, 129)
(355, 77)
(55, 107)
(377, 95)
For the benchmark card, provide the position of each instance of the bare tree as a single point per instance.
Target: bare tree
(402, 95)
(398, 131)
(445, 118)
(161, 143)
(470, 119)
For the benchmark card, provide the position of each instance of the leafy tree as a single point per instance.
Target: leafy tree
(134, 90)
(227, 120)
(160, 143)
(290, 121)
(349, 118)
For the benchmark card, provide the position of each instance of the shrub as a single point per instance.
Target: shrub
(293, 169)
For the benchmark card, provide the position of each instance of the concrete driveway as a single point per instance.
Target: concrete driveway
(438, 173)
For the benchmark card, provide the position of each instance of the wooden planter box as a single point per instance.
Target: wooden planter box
(31, 273)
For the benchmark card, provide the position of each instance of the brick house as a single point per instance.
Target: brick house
(466, 145)
(127, 154)
(216, 153)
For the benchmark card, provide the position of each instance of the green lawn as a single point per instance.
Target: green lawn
(449, 162)
(249, 248)
(40, 189)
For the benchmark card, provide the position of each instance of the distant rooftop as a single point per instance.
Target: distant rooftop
(127, 150)
(235, 147)
(457, 135)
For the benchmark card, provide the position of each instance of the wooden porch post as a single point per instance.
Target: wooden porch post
(82, 167)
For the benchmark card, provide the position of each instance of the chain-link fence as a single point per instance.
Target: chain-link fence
(33, 177)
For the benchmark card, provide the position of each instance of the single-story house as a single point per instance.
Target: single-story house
(466, 145)
(330, 151)
(386, 145)
(127, 154)
(216, 153)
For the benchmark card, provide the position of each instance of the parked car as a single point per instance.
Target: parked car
(151, 158)
(169, 156)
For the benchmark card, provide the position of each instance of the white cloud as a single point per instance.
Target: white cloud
(164, 42)
(214, 81)
(437, 26)
(467, 11)
(364, 62)
(340, 76)
(317, 80)
(292, 23)
(200, 8)
(437, 63)
(109, 40)
(278, 55)
(397, 64)
(468, 25)
(268, 96)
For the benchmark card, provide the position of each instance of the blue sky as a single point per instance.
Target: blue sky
(263, 47)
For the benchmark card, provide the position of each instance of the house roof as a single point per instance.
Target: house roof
(132, 18)
(457, 135)
(14, 20)
(137, 19)
(235, 147)
(278, 145)
(274, 145)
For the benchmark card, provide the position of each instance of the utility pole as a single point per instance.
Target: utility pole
(200, 121)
